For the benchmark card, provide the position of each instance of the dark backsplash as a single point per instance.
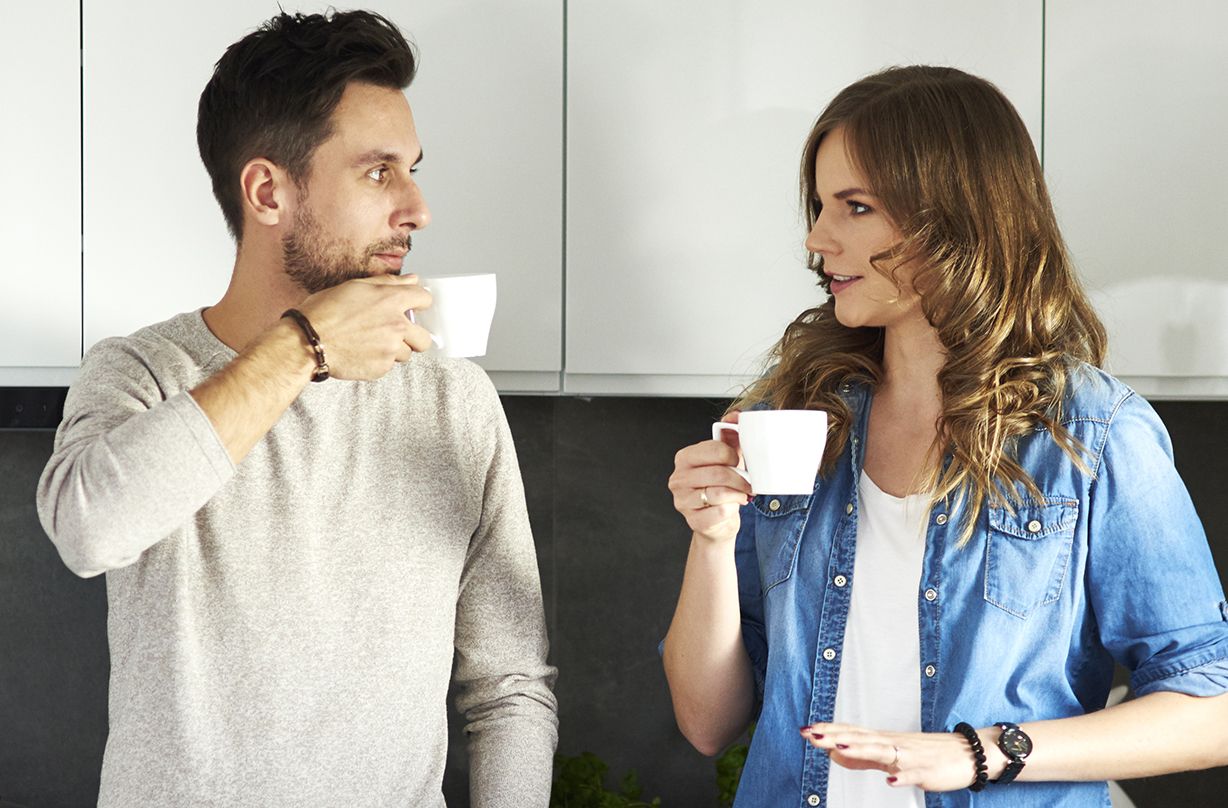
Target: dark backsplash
(611, 552)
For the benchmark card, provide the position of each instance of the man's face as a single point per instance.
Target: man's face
(356, 212)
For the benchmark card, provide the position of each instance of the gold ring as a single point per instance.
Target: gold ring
(703, 498)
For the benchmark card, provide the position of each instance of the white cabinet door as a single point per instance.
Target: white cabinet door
(1136, 106)
(685, 125)
(155, 240)
(40, 207)
(487, 104)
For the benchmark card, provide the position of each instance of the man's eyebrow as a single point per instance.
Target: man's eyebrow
(383, 156)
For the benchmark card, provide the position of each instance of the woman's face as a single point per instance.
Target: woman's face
(850, 228)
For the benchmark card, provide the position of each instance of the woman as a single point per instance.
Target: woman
(995, 520)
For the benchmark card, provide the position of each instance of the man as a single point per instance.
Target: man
(293, 568)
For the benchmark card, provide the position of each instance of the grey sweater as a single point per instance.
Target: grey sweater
(282, 632)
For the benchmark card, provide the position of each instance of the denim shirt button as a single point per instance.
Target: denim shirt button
(774, 505)
(941, 519)
(1034, 526)
(931, 595)
(813, 799)
(840, 580)
(930, 670)
(848, 508)
(829, 654)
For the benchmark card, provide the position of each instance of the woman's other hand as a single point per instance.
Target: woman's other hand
(931, 761)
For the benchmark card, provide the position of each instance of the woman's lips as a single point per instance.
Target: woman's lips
(837, 286)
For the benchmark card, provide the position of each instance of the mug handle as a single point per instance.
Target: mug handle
(435, 338)
(720, 428)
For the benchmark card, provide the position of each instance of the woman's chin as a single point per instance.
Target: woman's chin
(851, 318)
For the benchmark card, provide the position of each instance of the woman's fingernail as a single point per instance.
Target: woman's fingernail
(842, 746)
(805, 730)
(891, 779)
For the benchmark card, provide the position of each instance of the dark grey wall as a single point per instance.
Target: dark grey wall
(611, 551)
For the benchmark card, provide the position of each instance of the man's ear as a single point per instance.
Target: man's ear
(267, 192)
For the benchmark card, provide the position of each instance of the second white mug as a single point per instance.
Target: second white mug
(781, 449)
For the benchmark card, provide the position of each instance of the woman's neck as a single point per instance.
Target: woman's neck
(912, 358)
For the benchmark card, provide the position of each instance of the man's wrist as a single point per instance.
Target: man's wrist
(288, 346)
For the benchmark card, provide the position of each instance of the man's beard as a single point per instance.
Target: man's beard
(315, 263)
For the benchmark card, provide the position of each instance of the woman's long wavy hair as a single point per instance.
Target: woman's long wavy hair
(954, 168)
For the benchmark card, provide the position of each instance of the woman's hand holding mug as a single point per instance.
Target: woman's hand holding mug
(707, 490)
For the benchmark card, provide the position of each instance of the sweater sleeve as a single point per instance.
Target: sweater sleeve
(132, 462)
(504, 686)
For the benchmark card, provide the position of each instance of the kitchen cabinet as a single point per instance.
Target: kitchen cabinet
(40, 207)
(487, 102)
(628, 169)
(1136, 104)
(685, 125)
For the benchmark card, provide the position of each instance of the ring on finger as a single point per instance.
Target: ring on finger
(895, 761)
(703, 498)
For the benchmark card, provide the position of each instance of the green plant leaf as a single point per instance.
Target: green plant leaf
(579, 782)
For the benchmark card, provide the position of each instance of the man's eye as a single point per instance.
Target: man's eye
(377, 174)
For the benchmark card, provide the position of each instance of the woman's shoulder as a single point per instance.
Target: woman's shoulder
(1093, 394)
(1122, 417)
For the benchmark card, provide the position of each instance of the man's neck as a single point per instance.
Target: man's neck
(259, 292)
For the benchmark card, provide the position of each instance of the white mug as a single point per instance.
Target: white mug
(781, 449)
(460, 316)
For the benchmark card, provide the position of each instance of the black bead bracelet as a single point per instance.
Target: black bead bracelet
(978, 753)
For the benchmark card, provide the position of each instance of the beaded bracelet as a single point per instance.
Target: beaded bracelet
(978, 753)
(313, 339)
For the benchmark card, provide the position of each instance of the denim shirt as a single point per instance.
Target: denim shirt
(1023, 623)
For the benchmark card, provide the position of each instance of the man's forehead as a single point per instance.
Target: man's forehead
(374, 124)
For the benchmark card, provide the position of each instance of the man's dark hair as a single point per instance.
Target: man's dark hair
(273, 93)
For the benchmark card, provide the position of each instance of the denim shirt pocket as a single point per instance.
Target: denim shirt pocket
(1027, 552)
(779, 521)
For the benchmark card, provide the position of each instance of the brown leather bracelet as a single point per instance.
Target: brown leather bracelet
(321, 369)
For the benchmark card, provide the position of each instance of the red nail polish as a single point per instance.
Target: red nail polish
(842, 746)
(816, 735)
(892, 779)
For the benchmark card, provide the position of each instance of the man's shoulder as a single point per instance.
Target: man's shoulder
(175, 334)
(169, 349)
(452, 381)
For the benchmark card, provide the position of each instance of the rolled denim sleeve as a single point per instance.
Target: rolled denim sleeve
(1151, 578)
(750, 597)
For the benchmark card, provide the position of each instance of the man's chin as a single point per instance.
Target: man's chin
(355, 274)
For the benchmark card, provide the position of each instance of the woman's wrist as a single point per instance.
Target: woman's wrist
(995, 760)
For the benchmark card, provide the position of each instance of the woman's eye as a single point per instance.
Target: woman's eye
(858, 208)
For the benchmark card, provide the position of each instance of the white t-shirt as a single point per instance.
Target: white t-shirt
(880, 684)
